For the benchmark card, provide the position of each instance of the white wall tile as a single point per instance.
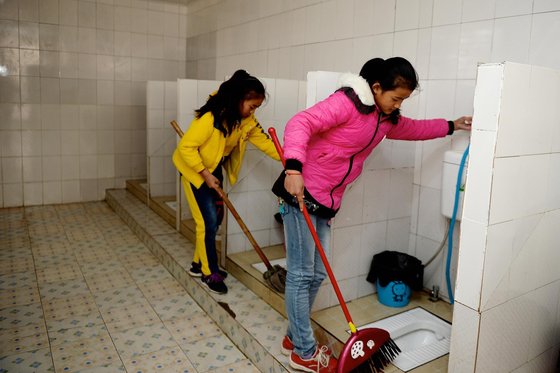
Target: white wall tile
(32, 194)
(429, 212)
(508, 8)
(397, 240)
(400, 193)
(32, 169)
(52, 192)
(475, 47)
(351, 210)
(432, 162)
(499, 256)
(544, 27)
(487, 96)
(500, 330)
(480, 173)
(407, 15)
(511, 39)
(12, 194)
(70, 167)
(464, 339)
(478, 10)
(512, 120)
(376, 205)
(31, 143)
(444, 52)
(545, 6)
(52, 168)
(346, 241)
(553, 195)
(506, 170)
(446, 12)
(71, 191)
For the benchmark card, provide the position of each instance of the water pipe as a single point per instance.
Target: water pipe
(452, 224)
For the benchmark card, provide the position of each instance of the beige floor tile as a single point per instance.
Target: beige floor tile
(63, 272)
(143, 340)
(85, 353)
(130, 316)
(23, 339)
(68, 307)
(192, 328)
(18, 280)
(60, 336)
(39, 361)
(19, 296)
(170, 360)
(19, 316)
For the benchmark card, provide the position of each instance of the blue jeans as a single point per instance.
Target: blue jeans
(306, 272)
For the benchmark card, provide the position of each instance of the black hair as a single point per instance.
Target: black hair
(225, 104)
(392, 73)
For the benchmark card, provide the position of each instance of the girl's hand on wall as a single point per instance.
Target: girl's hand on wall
(463, 123)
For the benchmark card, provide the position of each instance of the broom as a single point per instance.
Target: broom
(275, 275)
(369, 349)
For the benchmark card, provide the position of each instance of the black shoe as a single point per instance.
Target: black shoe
(196, 271)
(215, 282)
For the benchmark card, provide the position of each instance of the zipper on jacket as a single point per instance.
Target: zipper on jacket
(352, 160)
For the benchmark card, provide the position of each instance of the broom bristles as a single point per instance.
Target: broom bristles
(380, 359)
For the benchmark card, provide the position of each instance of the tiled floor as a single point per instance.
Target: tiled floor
(79, 292)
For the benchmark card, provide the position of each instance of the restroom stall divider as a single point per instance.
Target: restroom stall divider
(506, 313)
(161, 107)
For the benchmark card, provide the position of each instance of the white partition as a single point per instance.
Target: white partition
(507, 312)
(161, 108)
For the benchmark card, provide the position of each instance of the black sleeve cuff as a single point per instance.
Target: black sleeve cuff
(451, 127)
(293, 164)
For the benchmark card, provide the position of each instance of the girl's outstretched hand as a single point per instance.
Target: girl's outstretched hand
(463, 123)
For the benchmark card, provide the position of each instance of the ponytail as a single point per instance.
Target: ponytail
(392, 73)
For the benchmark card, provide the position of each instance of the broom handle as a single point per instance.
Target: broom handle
(177, 129)
(233, 211)
(244, 228)
(320, 249)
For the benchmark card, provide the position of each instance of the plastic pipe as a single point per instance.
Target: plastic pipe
(452, 224)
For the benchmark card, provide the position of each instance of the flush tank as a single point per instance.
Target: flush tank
(451, 163)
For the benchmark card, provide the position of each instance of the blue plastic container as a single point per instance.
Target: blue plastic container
(395, 294)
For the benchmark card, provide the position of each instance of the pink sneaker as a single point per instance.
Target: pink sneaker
(320, 362)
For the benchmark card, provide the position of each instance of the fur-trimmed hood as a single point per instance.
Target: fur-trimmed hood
(359, 85)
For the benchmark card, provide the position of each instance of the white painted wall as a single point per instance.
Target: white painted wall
(73, 101)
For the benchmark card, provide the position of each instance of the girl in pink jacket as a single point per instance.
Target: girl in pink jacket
(325, 148)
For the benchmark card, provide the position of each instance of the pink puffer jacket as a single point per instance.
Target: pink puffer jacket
(332, 139)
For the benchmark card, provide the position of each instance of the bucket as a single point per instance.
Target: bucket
(395, 294)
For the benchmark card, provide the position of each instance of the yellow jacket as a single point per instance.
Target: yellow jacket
(203, 146)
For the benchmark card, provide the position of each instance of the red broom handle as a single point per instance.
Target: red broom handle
(272, 133)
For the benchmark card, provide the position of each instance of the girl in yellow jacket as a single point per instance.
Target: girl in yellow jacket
(218, 137)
